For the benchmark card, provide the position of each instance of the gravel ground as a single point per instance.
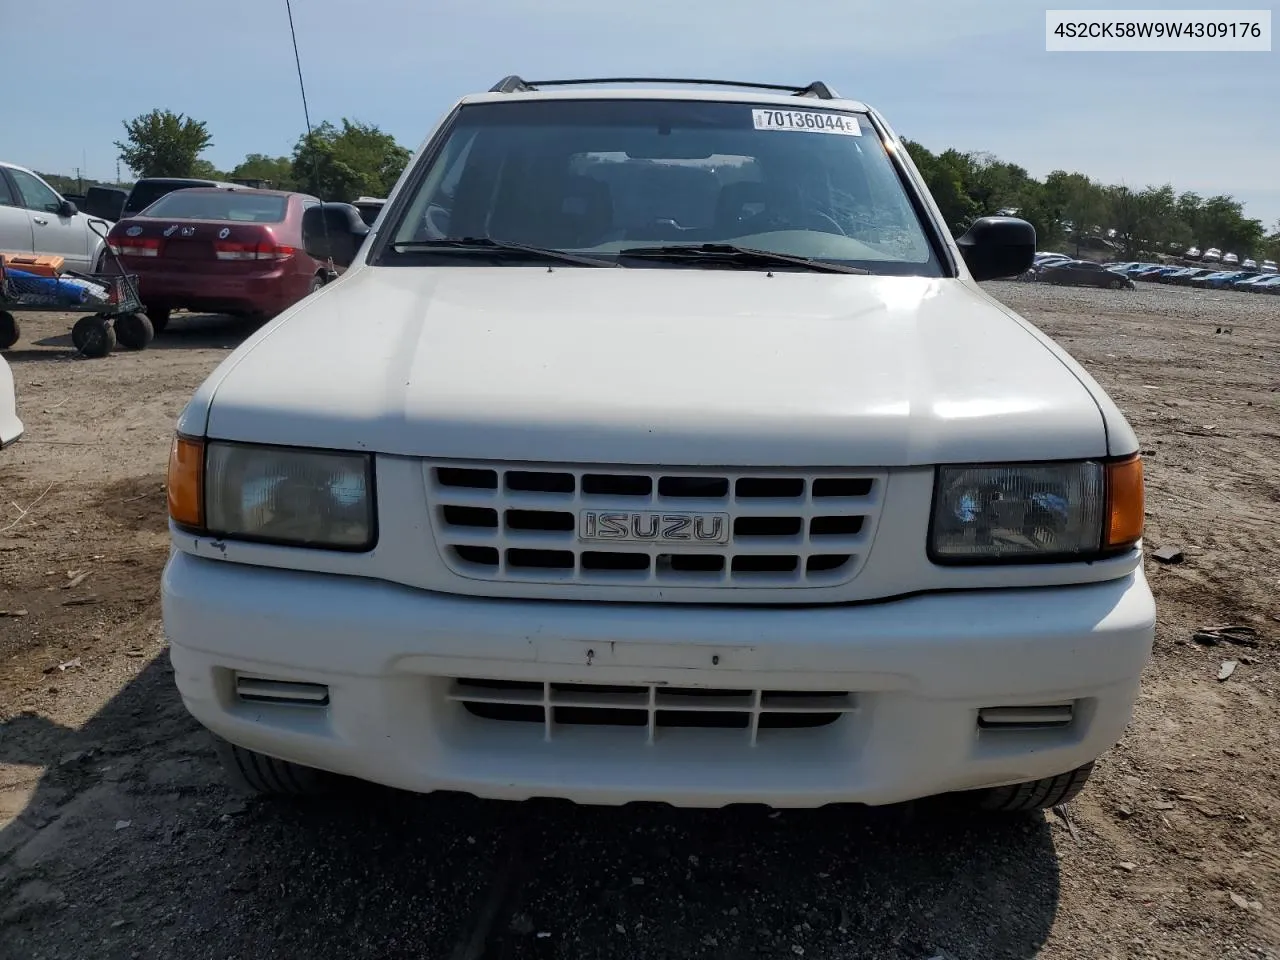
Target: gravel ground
(119, 840)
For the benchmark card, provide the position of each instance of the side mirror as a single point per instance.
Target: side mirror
(67, 209)
(995, 247)
(333, 231)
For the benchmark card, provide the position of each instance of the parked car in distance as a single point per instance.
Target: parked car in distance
(220, 251)
(1221, 278)
(1249, 264)
(105, 202)
(1230, 258)
(1186, 276)
(1270, 285)
(35, 218)
(1213, 253)
(1268, 266)
(369, 208)
(150, 189)
(1151, 271)
(543, 593)
(10, 426)
(1084, 273)
(1245, 282)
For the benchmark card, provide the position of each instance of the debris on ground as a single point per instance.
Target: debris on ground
(1168, 555)
(1227, 669)
(1241, 636)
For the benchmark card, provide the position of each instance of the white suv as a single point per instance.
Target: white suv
(659, 445)
(10, 425)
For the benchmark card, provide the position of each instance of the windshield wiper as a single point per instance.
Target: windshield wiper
(489, 245)
(729, 253)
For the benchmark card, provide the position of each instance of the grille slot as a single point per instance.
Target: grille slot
(469, 516)
(841, 487)
(540, 481)
(545, 520)
(650, 707)
(703, 488)
(470, 479)
(616, 485)
(641, 526)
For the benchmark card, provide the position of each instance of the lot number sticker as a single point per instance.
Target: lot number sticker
(803, 121)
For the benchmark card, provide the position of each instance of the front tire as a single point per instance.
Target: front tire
(93, 336)
(1036, 794)
(159, 317)
(257, 774)
(134, 331)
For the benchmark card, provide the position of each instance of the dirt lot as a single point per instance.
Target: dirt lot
(117, 838)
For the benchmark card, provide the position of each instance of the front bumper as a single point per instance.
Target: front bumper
(917, 672)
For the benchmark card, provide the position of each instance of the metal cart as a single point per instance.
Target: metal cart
(111, 303)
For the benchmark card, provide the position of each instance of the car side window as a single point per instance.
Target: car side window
(35, 195)
(7, 198)
(306, 232)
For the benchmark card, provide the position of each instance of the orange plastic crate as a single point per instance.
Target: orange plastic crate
(44, 265)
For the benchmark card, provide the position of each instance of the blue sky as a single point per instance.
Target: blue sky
(972, 74)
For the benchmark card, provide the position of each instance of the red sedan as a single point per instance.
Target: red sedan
(216, 250)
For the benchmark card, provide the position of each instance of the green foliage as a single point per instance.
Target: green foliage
(64, 184)
(1070, 208)
(163, 144)
(278, 171)
(207, 171)
(355, 160)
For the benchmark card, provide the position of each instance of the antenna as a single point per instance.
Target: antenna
(330, 269)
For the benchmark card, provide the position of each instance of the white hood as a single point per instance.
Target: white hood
(656, 366)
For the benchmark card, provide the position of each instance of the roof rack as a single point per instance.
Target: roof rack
(515, 84)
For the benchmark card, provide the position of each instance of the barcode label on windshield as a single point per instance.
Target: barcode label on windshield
(805, 121)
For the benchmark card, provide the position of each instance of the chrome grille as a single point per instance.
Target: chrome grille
(648, 707)
(551, 524)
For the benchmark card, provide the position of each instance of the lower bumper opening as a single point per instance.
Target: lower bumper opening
(649, 706)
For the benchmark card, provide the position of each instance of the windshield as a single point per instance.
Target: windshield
(604, 176)
(246, 206)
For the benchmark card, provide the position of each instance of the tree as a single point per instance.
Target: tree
(205, 170)
(355, 160)
(944, 175)
(1080, 202)
(1271, 246)
(163, 144)
(1222, 224)
(278, 171)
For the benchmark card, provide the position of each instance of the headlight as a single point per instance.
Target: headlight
(1036, 512)
(305, 498)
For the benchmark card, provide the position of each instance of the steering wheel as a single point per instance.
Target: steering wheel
(819, 215)
(436, 221)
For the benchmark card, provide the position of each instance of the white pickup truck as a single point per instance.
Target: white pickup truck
(659, 444)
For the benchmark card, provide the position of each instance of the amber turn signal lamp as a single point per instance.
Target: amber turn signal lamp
(1125, 505)
(186, 482)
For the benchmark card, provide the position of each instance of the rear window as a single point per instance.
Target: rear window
(147, 192)
(246, 206)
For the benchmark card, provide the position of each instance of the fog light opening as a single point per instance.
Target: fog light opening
(261, 690)
(1036, 717)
